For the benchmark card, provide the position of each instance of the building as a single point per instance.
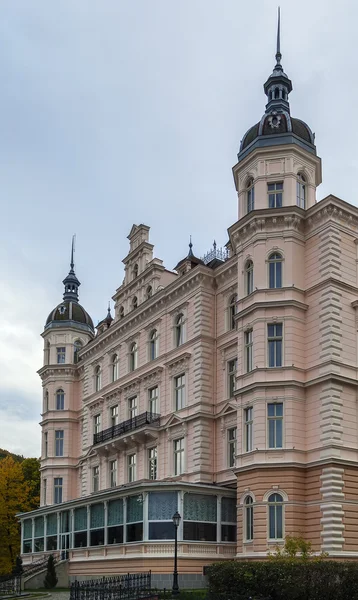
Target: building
(226, 390)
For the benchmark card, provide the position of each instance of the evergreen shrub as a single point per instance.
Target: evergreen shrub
(50, 580)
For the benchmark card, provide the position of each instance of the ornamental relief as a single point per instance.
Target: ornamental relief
(178, 367)
(177, 430)
(96, 406)
(131, 389)
(332, 212)
(152, 379)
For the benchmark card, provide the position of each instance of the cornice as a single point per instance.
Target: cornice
(332, 208)
(271, 304)
(54, 370)
(267, 221)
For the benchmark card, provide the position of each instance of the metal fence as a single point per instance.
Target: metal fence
(10, 585)
(124, 587)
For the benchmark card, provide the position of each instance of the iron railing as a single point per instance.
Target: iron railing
(215, 253)
(147, 418)
(124, 587)
(35, 567)
(10, 585)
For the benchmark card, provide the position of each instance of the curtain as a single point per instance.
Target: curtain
(97, 516)
(228, 510)
(80, 518)
(199, 507)
(115, 512)
(134, 509)
(162, 506)
(52, 524)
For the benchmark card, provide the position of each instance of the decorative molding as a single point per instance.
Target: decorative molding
(178, 364)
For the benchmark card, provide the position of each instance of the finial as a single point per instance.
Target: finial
(278, 45)
(190, 248)
(214, 245)
(72, 264)
(109, 306)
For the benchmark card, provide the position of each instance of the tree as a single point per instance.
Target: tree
(31, 470)
(14, 498)
(18, 568)
(50, 580)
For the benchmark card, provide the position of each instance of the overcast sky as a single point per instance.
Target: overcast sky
(114, 112)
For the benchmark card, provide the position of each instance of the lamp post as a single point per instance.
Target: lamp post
(176, 521)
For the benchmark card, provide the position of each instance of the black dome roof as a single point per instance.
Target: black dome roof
(67, 312)
(277, 124)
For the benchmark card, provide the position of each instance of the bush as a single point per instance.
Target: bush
(280, 579)
(50, 580)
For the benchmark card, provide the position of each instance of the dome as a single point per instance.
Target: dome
(278, 124)
(69, 312)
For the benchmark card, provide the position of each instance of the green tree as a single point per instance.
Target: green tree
(14, 498)
(50, 580)
(31, 470)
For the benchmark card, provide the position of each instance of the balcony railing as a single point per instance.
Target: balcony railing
(141, 420)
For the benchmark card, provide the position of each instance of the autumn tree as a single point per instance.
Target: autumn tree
(31, 470)
(15, 497)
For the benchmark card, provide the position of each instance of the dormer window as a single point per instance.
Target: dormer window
(250, 195)
(301, 190)
(149, 292)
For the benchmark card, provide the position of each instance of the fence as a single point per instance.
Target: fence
(124, 587)
(10, 585)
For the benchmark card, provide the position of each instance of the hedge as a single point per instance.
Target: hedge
(284, 580)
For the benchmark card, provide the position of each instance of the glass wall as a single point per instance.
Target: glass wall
(135, 518)
(97, 524)
(161, 508)
(39, 535)
(80, 527)
(27, 536)
(115, 521)
(200, 517)
(51, 532)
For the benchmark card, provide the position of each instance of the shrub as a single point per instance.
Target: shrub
(50, 580)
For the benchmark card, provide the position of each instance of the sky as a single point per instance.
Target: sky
(114, 112)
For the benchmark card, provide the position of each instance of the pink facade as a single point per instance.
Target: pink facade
(225, 390)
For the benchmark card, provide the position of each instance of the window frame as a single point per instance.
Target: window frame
(275, 341)
(153, 400)
(95, 479)
(232, 312)
(249, 519)
(276, 192)
(152, 463)
(275, 270)
(179, 456)
(133, 357)
(275, 504)
(113, 467)
(114, 367)
(249, 428)
(114, 415)
(179, 390)
(301, 190)
(132, 407)
(77, 347)
(96, 423)
(278, 420)
(231, 439)
(179, 337)
(249, 350)
(97, 378)
(60, 399)
(249, 277)
(132, 467)
(250, 195)
(57, 490)
(153, 344)
(231, 366)
(61, 355)
(59, 443)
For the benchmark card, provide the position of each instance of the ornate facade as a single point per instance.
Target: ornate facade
(225, 390)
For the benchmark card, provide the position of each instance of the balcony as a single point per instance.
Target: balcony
(138, 422)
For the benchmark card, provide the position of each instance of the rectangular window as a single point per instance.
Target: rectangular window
(132, 407)
(274, 340)
(231, 374)
(153, 400)
(95, 479)
(44, 489)
(96, 424)
(249, 350)
(61, 355)
(57, 490)
(152, 463)
(45, 444)
(248, 415)
(231, 446)
(275, 193)
(113, 415)
(60, 400)
(59, 435)
(113, 473)
(179, 391)
(275, 424)
(178, 456)
(132, 467)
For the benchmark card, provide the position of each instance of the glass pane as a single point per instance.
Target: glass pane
(279, 330)
(279, 200)
(228, 510)
(279, 434)
(80, 518)
(279, 409)
(162, 506)
(80, 539)
(115, 535)
(39, 527)
(162, 531)
(278, 275)
(271, 410)
(279, 186)
(272, 522)
(198, 507)
(27, 546)
(97, 516)
(228, 533)
(271, 348)
(27, 528)
(272, 275)
(135, 532)
(115, 512)
(278, 354)
(204, 532)
(271, 200)
(279, 523)
(271, 187)
(271, 330)
(51, 542)
(272, 433)
(51, 524)
(39, 545)
(134, 509)
(97, 537)
(65, 521)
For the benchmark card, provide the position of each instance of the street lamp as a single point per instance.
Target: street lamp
(176, 521)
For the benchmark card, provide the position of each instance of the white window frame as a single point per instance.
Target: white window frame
(275, 258)
(97, 378)
(61, 355)
(133, 357)
(276, 418)
(275, 505)
(113, 415)
(153, 400)
(179, 330)
(132, 407)
(231, 324)
(153, 463)
(60, 399)
(132, 467)
(153, 344)
(97, 423)
(179, 388)
(249, 428)
(179, 456)
(113, 467)
(249, 350)
(231, 437)
(114, 368)
(301, 190)
(95, 479)
(58, 490)
(250, 195)
(59, 442)
(275, 338)
(249, 277)
(276, 192)
(248, 506)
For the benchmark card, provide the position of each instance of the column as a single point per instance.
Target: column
(218, 520)
(145, 516)
(105, 522)
(32, 534)
(181, 512)
(124, 520)
(88, 525)
(45, 533)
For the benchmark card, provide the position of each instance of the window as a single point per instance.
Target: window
(59, 435)
(231, 373)
(275, 507)
(45, 444)
(115, 521)
(47, 353)
(249, 271)
(231, 446)
(114, 367)
(275, 270)
(57, 490)
(152, 463)
(153, 400)
(275, 193)
(179, 330)
(133, 356)
(232, 312)
(161, 508)
(96, 424)
(178, 446)
(228, 519)
(275, 424)
(61, 355)
(97, 378)
(274, 340)
(95, 479)
(249, 350)
(250, 195)
(248, 428)
(132, 467)
(76, 349)
(249, 519)
(149, 292)
(153, 345)
(134, 518)
(44, 491)
(46, 401)
(179, 391)
(200, 517)
(113, 415)
(60, 400)
(121, 312)
(113, 473)
(301, 190)
(135, 271)
(135, 303)
(132, 407)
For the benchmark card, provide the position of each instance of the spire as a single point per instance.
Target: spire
(190, 248)
(109, 317)
(71, 282)
(278, 86)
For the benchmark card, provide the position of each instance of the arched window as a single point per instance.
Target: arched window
(179, 330)
(135, 271)
(133, 356)
(232, 312)
(98, 378)
(121, 312)
(135, 302)
(153, 345)
(277, 92)
(149, 292)
(275, 270)
(60, 400)
(77, 347)
(114, 367)
(275, 516)
(249, 272)
(301, 190)
(249, 518)
(250, 195)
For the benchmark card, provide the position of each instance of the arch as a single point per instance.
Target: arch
(77, 347)
(60, 399)
(133, 356)
(245, 495)
(153, 344)
(179, 330)
(279, 491)
(249, 276)
(301, 190)
(275, 503)
(232, 312)
(98, 378)
(277, 93)
(114, 367)
(250, 194)
(149, 292)
(275, 261)
(135, 303)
